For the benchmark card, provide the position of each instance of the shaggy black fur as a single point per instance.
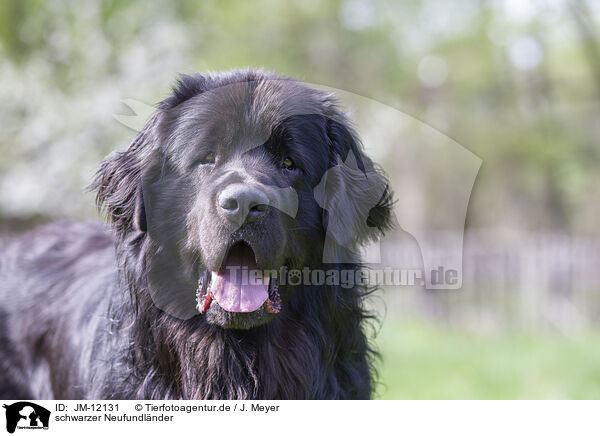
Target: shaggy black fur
(77, 316)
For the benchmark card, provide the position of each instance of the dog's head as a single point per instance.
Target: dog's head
(233, 177)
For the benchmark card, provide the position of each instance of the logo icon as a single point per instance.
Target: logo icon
(26, 415)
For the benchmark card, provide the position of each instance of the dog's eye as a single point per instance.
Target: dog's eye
(209, 158)
(288, 163)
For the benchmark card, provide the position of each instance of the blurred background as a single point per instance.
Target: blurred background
(515, 82)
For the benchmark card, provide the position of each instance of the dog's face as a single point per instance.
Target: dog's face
(224, 195)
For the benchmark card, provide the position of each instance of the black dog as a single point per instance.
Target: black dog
(233, 172)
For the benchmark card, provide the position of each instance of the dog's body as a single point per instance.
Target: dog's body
(57, 285)
(92, 312)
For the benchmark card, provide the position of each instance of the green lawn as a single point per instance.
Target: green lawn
(421, 361)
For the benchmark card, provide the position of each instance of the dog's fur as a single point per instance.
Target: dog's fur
(77, 316)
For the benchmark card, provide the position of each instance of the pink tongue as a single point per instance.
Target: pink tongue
(237, 292)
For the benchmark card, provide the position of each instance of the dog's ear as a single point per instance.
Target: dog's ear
(354, 193)
(118, 183)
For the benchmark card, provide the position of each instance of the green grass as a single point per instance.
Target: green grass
(421, 361)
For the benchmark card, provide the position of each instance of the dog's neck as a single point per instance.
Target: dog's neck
(314, 348)
(295, 356)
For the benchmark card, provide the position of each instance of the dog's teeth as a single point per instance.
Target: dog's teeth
(203, 280)
(273, 304)
(273, 285)
(272, 307)
(207, 302)
(203, 293)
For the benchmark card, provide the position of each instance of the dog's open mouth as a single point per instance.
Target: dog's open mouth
(238, 286)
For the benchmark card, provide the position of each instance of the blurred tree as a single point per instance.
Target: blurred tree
(515, 82)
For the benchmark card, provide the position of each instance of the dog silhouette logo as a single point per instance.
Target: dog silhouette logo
(26, 415)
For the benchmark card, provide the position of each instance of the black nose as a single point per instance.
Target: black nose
(242, 203)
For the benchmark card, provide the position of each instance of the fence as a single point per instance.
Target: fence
(531, 281)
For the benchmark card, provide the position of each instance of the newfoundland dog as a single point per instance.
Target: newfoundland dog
(233, 215)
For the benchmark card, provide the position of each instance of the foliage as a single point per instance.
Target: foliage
(515, 82)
